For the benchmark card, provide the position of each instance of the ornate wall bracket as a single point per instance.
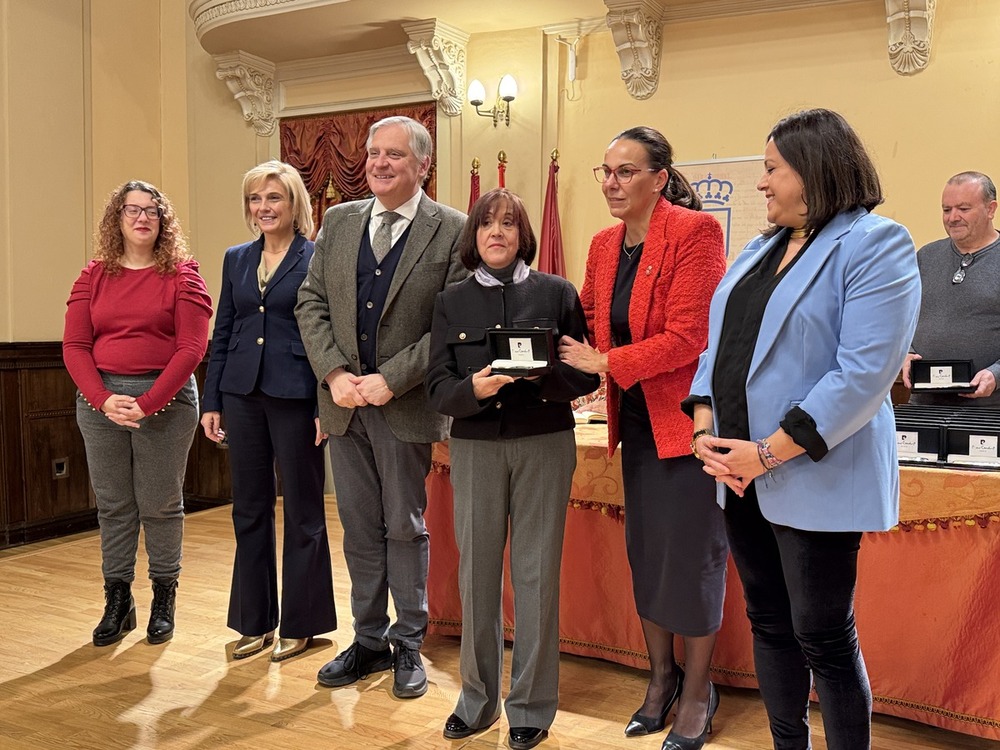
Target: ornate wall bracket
(251, 81)
(911, 23)
(636, 28)
(440, 50)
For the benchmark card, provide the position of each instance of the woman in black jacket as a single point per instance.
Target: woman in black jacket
(512, 459)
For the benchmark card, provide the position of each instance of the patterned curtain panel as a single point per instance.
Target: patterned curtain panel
(329, 152)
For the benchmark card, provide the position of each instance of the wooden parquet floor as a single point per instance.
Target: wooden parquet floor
(58, 691)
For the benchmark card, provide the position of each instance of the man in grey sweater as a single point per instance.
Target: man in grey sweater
(960, 303)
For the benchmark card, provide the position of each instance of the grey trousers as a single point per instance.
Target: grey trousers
(381, 499)
(138, 478)
(523, 483)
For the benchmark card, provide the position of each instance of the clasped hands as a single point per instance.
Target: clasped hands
(736, 468)
(122, 410)
(349, 390)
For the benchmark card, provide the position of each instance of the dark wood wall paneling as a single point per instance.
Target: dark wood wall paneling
(44, 483)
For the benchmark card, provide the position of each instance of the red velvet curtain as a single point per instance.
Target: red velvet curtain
(329, 152)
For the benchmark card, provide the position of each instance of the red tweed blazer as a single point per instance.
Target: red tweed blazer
(683, 260)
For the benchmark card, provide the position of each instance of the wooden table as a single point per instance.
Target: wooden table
(927, 600)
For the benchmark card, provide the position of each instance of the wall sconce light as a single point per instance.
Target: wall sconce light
(506, 93)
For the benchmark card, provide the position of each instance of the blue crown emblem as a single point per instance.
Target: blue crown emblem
(713, 191)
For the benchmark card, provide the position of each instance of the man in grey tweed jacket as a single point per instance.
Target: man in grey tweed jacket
(365, 312)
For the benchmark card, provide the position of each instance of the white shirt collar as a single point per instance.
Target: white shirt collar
(408, 210)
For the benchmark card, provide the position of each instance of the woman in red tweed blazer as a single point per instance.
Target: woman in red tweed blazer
(648, 285)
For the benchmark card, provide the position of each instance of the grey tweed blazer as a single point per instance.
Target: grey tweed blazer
(327, 312)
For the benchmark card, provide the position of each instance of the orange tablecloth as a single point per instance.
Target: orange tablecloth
(926, 605)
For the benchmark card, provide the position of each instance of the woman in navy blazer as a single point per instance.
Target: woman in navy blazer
(807, 332)
(259, 377)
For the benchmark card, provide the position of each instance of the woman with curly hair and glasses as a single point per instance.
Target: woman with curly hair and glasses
(136, 328)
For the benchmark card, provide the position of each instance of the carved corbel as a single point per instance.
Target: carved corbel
(251, 81)
(440, 50)
(636, 28)
(910, 25)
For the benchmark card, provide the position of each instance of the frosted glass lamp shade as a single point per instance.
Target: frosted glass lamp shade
(477, 93)
(508, 88)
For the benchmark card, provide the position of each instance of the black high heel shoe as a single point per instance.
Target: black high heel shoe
(679, 742)
(640, 725)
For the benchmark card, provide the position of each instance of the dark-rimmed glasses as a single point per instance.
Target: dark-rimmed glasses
(132, 211)
(959, 276)
(622, 174)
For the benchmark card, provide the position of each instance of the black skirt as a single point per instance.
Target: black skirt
(675, 531)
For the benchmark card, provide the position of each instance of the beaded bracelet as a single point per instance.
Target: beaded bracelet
(768, 460)
(764, 451)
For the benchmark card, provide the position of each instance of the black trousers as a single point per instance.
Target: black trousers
(799, 591)
(262, 429)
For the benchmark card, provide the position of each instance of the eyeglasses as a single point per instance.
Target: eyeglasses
(132, 211)
(623, 175)
(959, 276)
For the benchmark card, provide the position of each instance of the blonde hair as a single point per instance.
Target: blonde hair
(170, 247)
(289, 177)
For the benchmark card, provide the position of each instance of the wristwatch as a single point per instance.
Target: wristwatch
(694, 441)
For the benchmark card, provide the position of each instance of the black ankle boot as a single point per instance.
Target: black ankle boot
(161, 612)
(119, 613)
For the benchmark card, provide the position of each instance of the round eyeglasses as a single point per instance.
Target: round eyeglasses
(132, 211)
(622, 175)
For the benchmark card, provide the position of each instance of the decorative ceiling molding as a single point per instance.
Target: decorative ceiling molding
(693, 10)
(579, 28)
(251, 81)
(207, 14)
(347, 65)
(911, 24)
(440, 50)
(636, 28)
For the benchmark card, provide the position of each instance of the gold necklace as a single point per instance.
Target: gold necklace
(799, 233)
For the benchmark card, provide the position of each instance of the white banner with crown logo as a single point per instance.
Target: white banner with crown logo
(728, 191)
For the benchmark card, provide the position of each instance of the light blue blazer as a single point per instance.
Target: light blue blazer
(832, 340)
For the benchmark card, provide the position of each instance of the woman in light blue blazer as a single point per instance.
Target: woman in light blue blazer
(807, 332)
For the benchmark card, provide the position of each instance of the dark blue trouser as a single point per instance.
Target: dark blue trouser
(262, 429)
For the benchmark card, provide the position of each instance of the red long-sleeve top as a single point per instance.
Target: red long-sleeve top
(133, 323)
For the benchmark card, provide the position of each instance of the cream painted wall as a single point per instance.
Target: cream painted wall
(490, 56)
(221, 147)
(74, 106)
(93, 94)
(44, 154)
(724, 83)
(6, 259)
(125, 90)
